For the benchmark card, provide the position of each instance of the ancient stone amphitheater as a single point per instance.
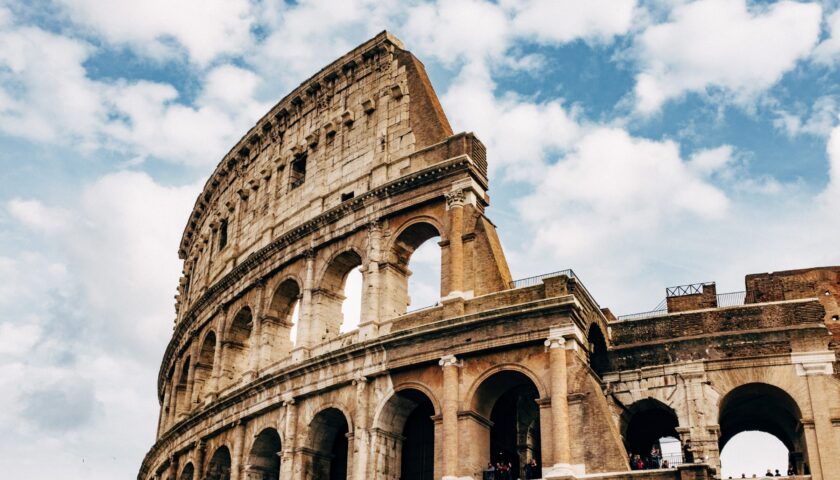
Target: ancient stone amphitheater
(357, 167)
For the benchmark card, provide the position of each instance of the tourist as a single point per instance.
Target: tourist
(531, 470)
(666, 465)
(777, 473)
(791, 472)
(769, 473)
(490, 472)
(655, 457)
(688, 455)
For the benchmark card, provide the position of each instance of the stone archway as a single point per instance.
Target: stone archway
(188, 472)
(237, 347)
(405, 437)
(765, 408)
(219, 466)
(598, 357)
(645, 424)
(508, 421)
(396, 274)
(264, 457)
(279, 320)
(204, 368)
(329, 297)
(328, 446)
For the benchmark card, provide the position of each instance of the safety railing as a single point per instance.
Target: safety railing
(537, 279)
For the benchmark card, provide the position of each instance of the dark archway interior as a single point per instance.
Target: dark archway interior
(598, 359)
(764, 408)
(188, 472)
(515, 432)
(328, 437)
(264, 459)
(418, 448)
(219, 466)
(646, 422)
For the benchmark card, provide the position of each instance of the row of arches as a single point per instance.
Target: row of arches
(406, 437)
(262, 333)
(760, 428)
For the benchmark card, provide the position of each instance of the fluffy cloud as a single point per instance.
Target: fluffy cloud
(204, 29)
(818, 120)
(38, 216)
(721, 44)
(828, 51)
(81, 333)
(553, 21)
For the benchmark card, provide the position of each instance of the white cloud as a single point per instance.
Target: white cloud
(518, 133)
(206, 29)
(819, 121)
(832, 192)
(38, 216)
(828, 51)
(18, 339)
(721, 44)
(553, 21)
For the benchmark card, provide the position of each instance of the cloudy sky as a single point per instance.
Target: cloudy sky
(643, 144)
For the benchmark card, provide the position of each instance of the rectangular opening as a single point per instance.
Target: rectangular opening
(297, 175)
(346, 196)
(223, 234)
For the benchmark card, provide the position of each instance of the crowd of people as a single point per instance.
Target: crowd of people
(505, 471)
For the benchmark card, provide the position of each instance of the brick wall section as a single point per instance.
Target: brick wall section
(733, 319)
(697, 301)
(587, 409)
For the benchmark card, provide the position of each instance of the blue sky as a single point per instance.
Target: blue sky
(641, 143)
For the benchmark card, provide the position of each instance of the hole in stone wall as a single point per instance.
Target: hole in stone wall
(424, 282)
(351, 308)
(752, 453)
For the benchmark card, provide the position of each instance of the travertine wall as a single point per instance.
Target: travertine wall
(240, 400)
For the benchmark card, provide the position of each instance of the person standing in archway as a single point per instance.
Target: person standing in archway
(688, 455)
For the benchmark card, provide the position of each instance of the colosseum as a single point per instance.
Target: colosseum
(356, 168)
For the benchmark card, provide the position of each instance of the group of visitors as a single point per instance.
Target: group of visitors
(505, 471)
(654, 459)
(770, 474)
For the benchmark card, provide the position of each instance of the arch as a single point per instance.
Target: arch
(181, 402)
(598, 356)
(218, 468)
(410, 385)
(644, 424)
(237, 346)
(396, 275)
(264, 456)
(203, 369)
(329, 297)
(328, 444)
(765, 408)
(188, 472)
(472, 393)
(278, 322)
(508, 424)
(405, 433)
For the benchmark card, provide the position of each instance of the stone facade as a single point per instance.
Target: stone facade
(358, 167)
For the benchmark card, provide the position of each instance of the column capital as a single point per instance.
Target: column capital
(360, 380)
(566, 336)
(456, 198)
(288, 399)
(449, 361)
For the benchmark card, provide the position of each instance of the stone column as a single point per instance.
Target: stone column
(287, 463)
(818, 370)
(455, 213)
(173, 467)
(215, 376)
(361, 441)
(188, 396)
(559, 341)
(304, 331)
(449, 411)
(371, 290)
(255, 342)
(237, 465)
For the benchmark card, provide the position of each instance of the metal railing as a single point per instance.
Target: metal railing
(537, 279)
(731, 299)
(691, 289)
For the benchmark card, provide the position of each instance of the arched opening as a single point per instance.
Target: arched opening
(181, 402)
(327, 459)
(188, 472)
(598, 359)
(219, 466)
(329, 299)
(204, 367)
(649, 428)
(759, 407)
(169, 394)
(754, 453)
(237, 347)
(264, 459)
(508, 399)
(406, 436)
(351, 308)
(279, 321)
(418, 286)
